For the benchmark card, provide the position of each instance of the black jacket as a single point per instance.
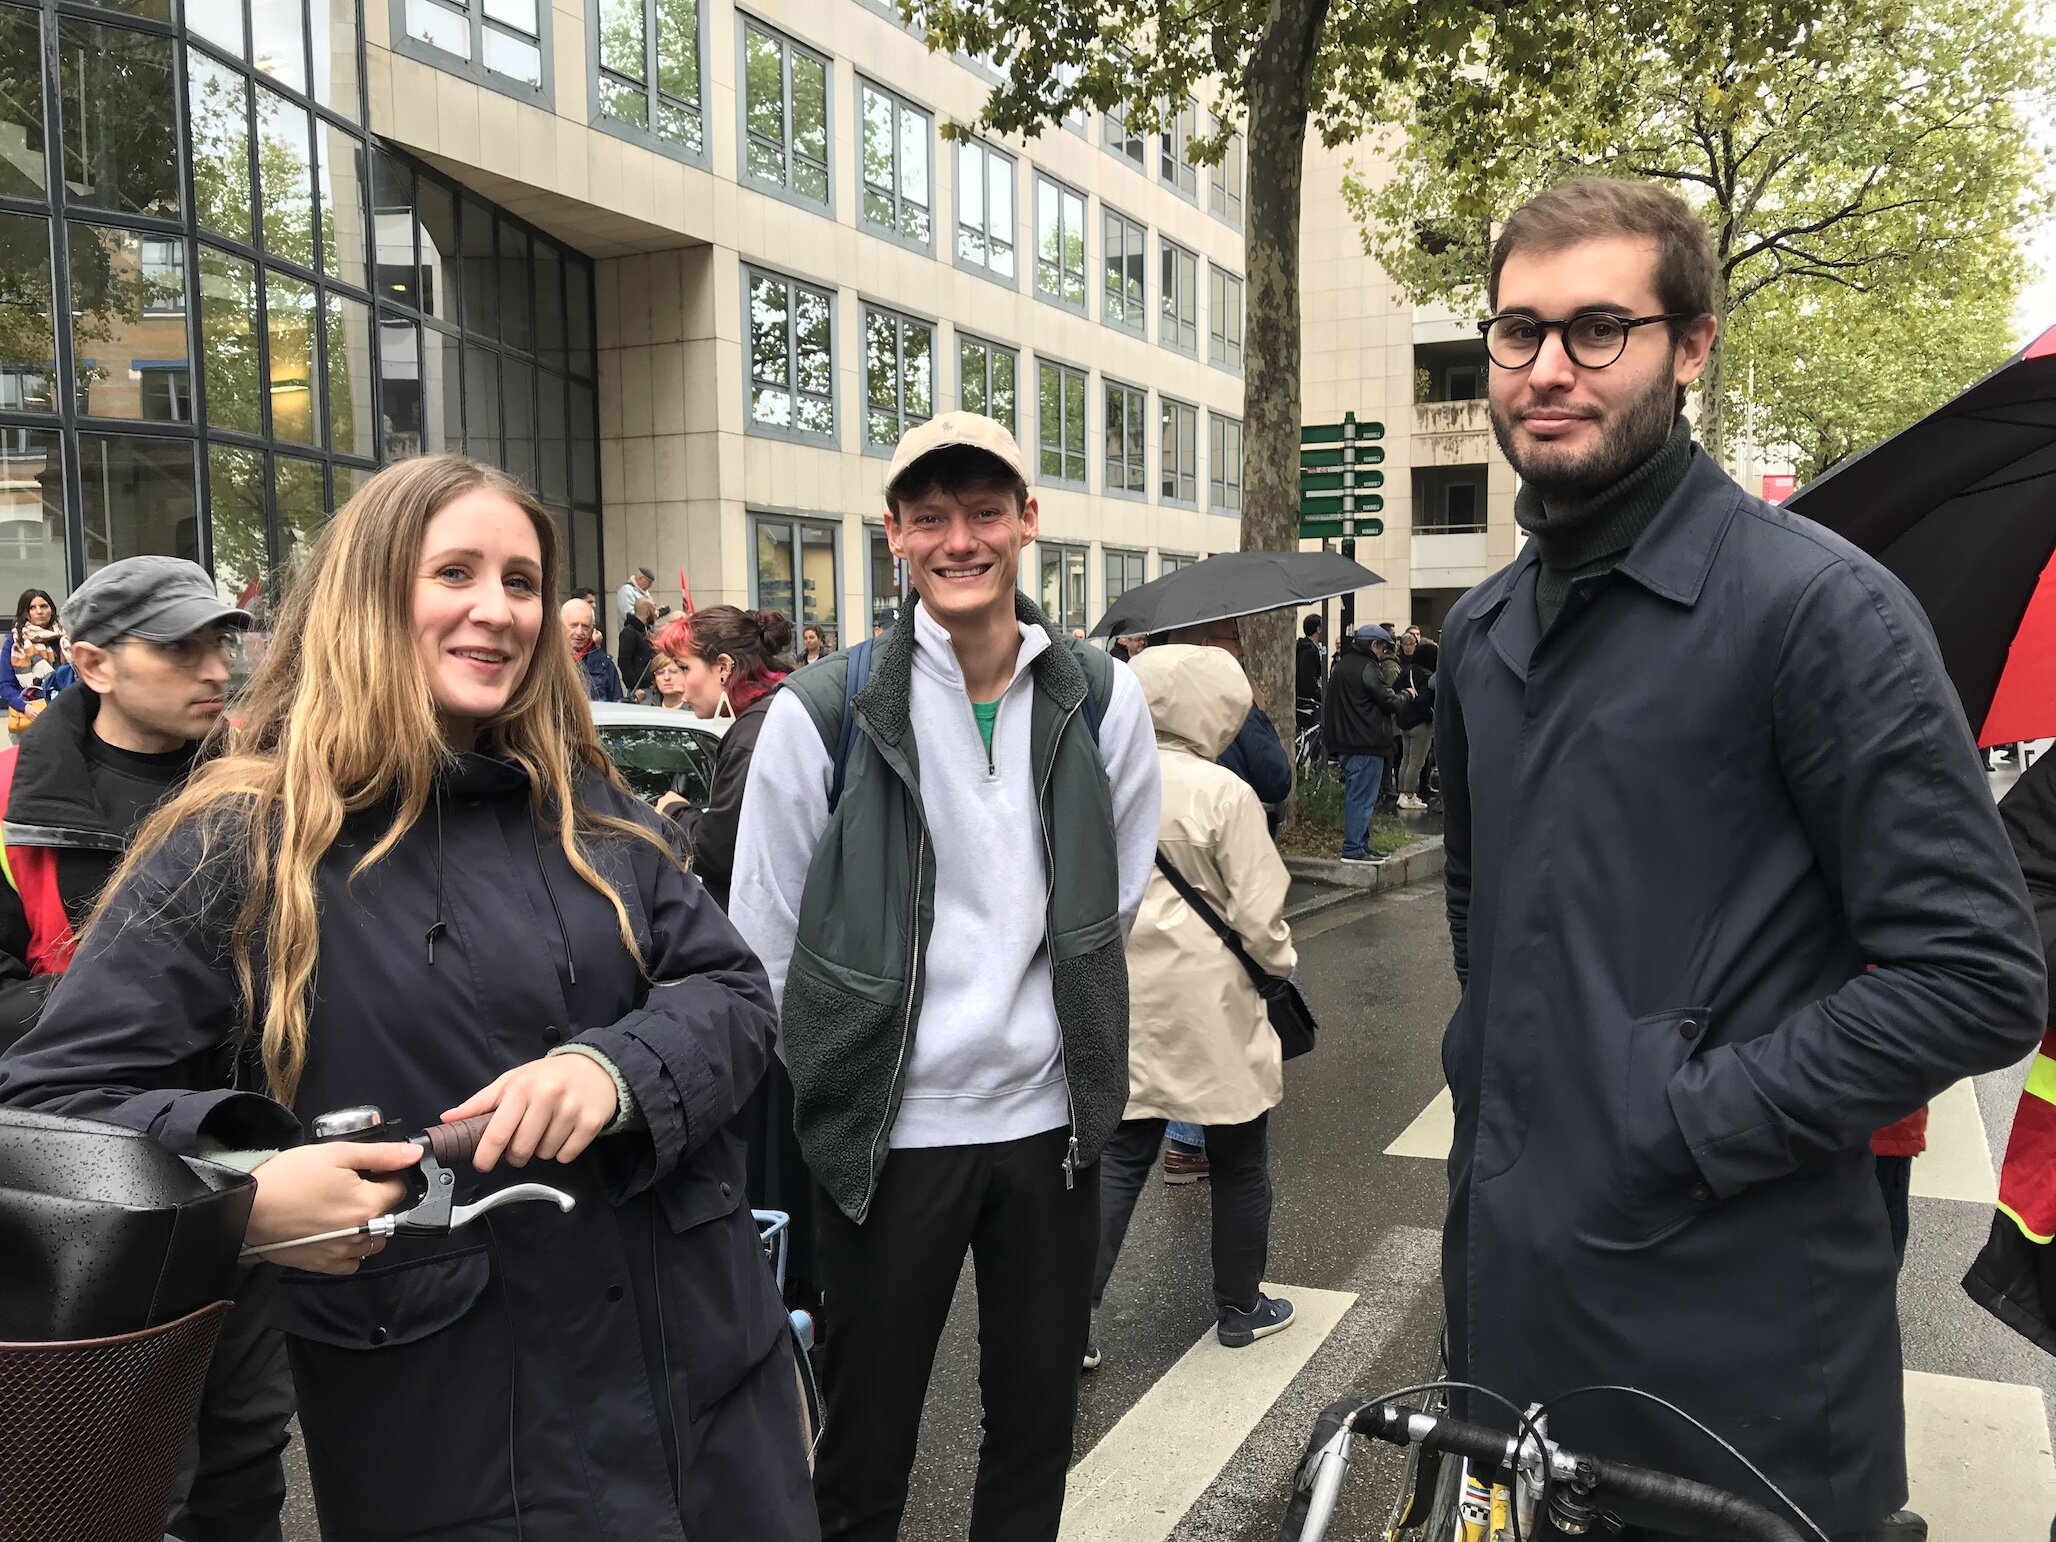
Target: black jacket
(1308, 661)
(636, 656)
(707, 835)
(548, 1371)
(1357, 714)
(1680, 828)
(1258, 757)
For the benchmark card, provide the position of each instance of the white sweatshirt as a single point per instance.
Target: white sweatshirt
(987, 1063)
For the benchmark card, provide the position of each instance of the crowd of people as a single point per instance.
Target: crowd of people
(952, 956)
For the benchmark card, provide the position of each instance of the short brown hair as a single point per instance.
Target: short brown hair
(958, 470)
(1593, 208)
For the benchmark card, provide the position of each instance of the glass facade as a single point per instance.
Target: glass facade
(255, 303)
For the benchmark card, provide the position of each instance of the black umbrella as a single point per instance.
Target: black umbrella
(1235, 583)
(1962, 507)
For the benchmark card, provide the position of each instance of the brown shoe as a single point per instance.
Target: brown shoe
(1184, 1166)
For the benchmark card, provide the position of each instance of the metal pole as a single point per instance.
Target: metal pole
(1349, 599)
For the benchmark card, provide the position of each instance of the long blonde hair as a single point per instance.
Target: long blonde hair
(340, 719)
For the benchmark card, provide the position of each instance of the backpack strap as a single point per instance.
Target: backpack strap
(855, 675)
(1099, 683)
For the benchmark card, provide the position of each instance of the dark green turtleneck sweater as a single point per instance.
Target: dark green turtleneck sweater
(1589, 537)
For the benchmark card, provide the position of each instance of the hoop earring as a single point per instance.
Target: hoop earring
(727, 707)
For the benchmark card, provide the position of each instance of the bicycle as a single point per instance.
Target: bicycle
(1505, 1485)
(1310, 763)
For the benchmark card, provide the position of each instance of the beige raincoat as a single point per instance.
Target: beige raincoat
(1200, 1045)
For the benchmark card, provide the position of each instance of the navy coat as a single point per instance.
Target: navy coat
(620, 1372)
(1680, 826)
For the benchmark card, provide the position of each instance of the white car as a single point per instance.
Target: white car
(658, 750)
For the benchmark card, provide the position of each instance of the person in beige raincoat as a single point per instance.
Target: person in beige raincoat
(1200, 1044)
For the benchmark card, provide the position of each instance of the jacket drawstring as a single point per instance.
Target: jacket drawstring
(563, 931)
(438, 928)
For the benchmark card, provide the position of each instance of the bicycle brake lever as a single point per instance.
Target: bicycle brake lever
(464, 1215)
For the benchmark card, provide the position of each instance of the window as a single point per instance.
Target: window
(784, 115)
(985, 210)
(795, 568)
(1224, 464)
(1174, 152)
(167, 395)
(1171, 561)
(885, 578)
(1125, 248)
(1122, 571)
(1178, 323)
(792, 358)
(898, 190)
(1179, 429)
(899, 377)
(1060, 427)
(1224, 319)
(987, 381)
(1465, 383)
(1224, 183)
(163, 270)
(1127, 469)
(503, 38)
(1063, 595)
(1059, 243)
(1448, 500)
(1121, 139)
(650, 76)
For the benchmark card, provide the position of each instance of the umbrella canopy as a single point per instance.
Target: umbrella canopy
(1962, 507)
(1235, 583)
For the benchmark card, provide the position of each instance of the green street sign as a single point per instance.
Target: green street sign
(1346, 529)
(1340, 433)
(1340, 503)
(1343, 455)
(1338, 481)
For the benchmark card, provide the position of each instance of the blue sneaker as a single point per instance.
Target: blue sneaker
(1238, 1330)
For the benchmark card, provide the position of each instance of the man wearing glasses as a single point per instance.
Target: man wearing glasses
(1727, 893)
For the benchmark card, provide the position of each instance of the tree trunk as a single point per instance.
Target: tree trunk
(1713, 384)
(1279, 92)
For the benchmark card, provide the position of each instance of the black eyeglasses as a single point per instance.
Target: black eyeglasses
(1593, 339)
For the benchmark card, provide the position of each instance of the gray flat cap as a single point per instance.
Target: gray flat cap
(159, 599)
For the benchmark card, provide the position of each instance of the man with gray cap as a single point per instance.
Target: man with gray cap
(1357, 727)
(151, 642)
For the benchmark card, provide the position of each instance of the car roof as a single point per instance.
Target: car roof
(621, 714)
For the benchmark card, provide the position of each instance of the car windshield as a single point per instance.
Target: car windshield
(655, 760)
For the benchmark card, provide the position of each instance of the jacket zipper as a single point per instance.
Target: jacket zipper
(907, 1024)
(1049, 894)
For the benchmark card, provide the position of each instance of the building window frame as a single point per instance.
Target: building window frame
(1223, 463)
(880, 608)
(902, 412)
(473, 67)
(1060, 192)
(1128, 146)
(1178, 434)
(1064, 376)
(1110, 592)
(1176, 169)
(1070, 558)
(1177, 297)
(960, 226)
(1226, 318)
(1124, 471)
(991, 353)
(1122, 311)
(789, 49)
(655, 98)
(901, 106)
(796, 527)
(1227, 182)
(752, 424)
(1172, 561)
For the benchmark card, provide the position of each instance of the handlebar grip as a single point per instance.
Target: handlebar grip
(1728, 1514)
(451, 1144)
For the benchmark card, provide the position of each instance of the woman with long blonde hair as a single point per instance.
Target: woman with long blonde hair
(412, 881)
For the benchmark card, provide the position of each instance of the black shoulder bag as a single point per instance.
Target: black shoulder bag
(1292, 1019)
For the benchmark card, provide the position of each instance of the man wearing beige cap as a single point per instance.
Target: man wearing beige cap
(946, 836)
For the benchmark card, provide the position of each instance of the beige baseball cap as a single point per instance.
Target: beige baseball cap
(971, 429)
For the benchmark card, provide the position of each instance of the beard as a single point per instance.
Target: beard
(1630, 435)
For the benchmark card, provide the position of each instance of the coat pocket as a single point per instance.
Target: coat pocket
(424, 1346)
(721, 1308)
(1657, 1174)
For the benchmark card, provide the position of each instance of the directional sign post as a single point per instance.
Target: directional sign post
(1337, 469)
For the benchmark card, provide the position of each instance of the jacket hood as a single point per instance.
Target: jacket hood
(1198, 697)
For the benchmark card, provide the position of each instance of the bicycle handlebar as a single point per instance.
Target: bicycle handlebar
(457, 1142)
(1494, 1451)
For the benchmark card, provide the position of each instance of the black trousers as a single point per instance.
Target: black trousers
(234, 1485)
(886, 1292)
(1239, 1158)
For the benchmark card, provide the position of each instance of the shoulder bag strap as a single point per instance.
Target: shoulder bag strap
(1206, 912)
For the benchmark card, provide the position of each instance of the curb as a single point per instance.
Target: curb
(1411, 864)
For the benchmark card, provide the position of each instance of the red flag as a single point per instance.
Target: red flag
(684, 593)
